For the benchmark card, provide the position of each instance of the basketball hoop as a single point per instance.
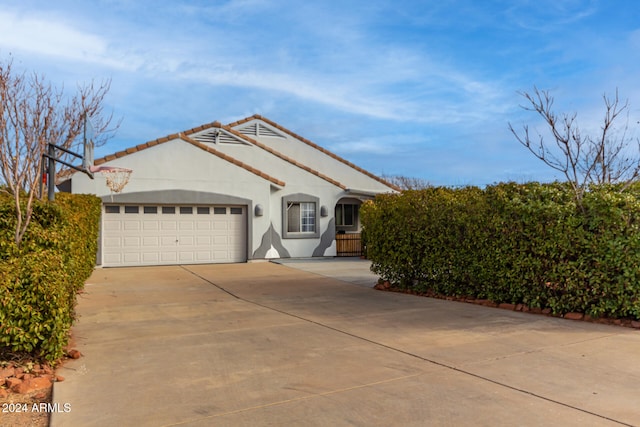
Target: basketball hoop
(117, 178)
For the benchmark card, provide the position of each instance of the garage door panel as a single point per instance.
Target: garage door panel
(204, 240)
(186, 241)
(131, 225)
(133, 241)
(150, 257)
(168, 257)
(131, 258)
(221, 225)
(220, 240)
(186, 225)
(168, 241)
(111, 242)
(112, 225)
(203, 225)
(168, 225)
(165, 234)
(153, 241)
(186, 256)
(112, 259)
(218, 255)
(150, 225)
(203, 256)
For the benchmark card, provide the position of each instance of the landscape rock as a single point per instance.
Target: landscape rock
(20, 387)
(38, 383)
(12, 382)
(574, 316)
(7, 372)
(74, 354)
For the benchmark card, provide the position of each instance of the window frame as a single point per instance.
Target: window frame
(300, 199)
(341, 215)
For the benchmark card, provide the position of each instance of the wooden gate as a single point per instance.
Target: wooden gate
(348, 244)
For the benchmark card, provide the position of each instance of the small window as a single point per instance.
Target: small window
(219, 211)
(346, 215)
(150, 209)
(236, 211)
(132, 209)
(169, 210)
(301, 217)
(186, 210)
(112, 209)
(203, 210)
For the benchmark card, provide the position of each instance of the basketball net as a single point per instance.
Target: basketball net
(116, 178)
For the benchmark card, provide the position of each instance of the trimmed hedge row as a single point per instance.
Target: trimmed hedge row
(512, 243)
(40, 279)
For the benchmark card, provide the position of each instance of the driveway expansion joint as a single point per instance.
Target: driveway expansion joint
(407, 353)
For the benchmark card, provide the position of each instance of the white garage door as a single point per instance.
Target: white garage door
(172, 234)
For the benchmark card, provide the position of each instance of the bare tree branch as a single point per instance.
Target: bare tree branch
(33, 113)
(606, 158)
(406, 183)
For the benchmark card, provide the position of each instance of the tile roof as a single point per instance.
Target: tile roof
(193, 142)
(230, 159)
(185, 136)
(283, 157)
(314, 145)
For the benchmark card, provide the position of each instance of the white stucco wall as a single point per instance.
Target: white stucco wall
(178, 169)
(320, 161)
(178, 165)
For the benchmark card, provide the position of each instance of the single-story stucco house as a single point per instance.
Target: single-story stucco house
(249, 190)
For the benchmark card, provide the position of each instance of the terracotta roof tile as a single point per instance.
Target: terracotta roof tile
(229, 128)
(232, 160)
(314, 145)
(185, 138)
(283, 157)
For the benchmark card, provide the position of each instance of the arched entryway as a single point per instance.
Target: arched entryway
(348, 238)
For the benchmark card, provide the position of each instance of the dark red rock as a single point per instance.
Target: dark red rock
(574, 316)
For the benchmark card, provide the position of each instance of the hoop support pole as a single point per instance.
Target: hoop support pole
(51, 171)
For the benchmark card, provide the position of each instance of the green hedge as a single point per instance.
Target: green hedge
(513, 243)
(40, 279)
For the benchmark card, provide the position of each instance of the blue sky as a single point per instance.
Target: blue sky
(416, 88)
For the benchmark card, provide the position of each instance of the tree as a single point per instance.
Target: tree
(607, 156)
(33, 113)
(406, 183)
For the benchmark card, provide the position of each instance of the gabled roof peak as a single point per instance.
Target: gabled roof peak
(311, 144)
(187, 136)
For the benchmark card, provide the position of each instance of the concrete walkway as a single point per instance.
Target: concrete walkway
(267, 344)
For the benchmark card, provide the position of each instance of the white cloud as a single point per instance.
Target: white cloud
(44, 36)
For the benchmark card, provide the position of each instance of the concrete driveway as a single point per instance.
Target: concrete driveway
(268, 344)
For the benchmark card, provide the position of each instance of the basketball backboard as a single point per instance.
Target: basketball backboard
(88, 136)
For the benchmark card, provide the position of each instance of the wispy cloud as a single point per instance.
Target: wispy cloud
(37, 34)
(422, 74)
(550, 15)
